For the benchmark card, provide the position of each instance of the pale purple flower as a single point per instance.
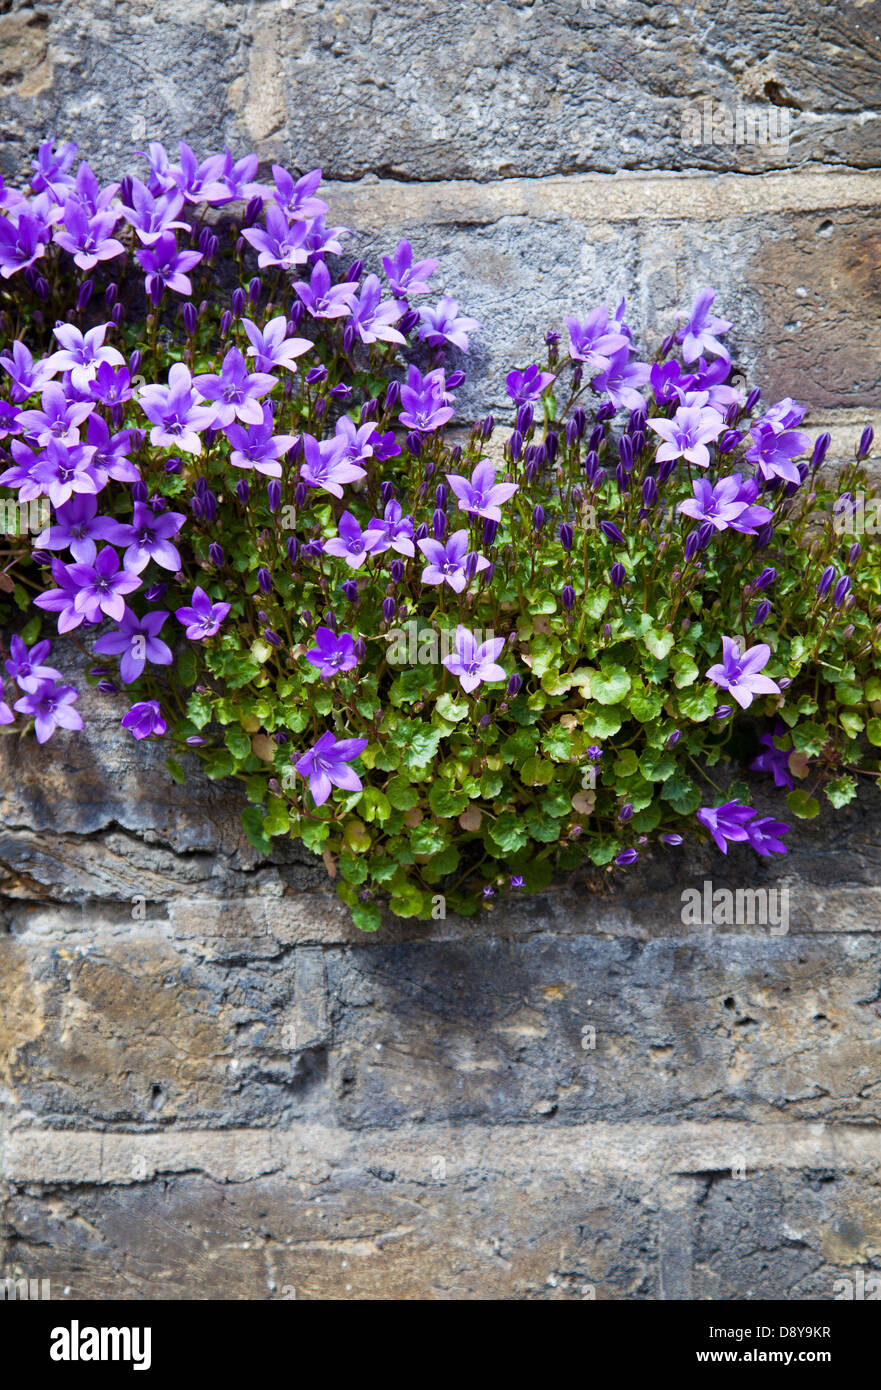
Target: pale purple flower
(774, 759)
(444, 324)
(61, 471)
(151, 216)
(425, 401)
(51, 707)
(395, 530)
(61, 600)
(177, 417)
(235, 391)
(324, 300)
(372, 320)
(724, 506)
(88, 239)
(201, 618)
(87, 193)
(481, 495)
(82, 353)
(765, 836)
(111, 387)
(446, 562)
(102, 586)
(354, 442)
(726, 823)
(740, 674)
(22, 241)
(255, 446)
(136, 641)
(236, 180)
(26, 667)
(144, 719)
(773, 452)
(325, 766)
(688, 433)
(322, 240)
(325, 468)
(21, 474)
(280, 242)
(51, 167)
(77, 527)
(621, 380)
(296, 198)
(199, 183)
(58, 417)
(148, 537)
(111, 456)
(27, 376)
(528, 385)
(166, 267)
(332, 652)
(700, 334)
(351, 543)
(272, 347)
(784, 415)
(475, 662)
(406, 276)
(594, 341)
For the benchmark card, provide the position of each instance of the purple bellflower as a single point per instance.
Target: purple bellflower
(332, 652)
(700, 334)
(201, 618)
(51, 707)
(481, 495)
(325, 766)
(740, 674)
(144, 720)
(447, 562)
(475, 662)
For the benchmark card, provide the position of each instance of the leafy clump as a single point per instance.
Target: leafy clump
(451, 662)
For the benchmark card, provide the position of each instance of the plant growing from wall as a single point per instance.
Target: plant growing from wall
(451, 661)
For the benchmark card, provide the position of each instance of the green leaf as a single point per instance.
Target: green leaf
(366, 916)
(445, 802)
(659, 644)
(685, 672)
(873, 732)
(450, 709)
(508, 833)
(220, 764)
(802, 805)
(176, 770)
(276, 820)
(809, 738)
(851, 722)
(610, 685)
(402, 794)
(600, 722)
(252, 824)
(841, 791)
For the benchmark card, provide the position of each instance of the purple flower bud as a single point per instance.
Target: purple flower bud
(264, 580)
(359, 650)
(762, 612)
(238, 303)
(538, 517)
(272, 637)
(767, 577)
(173, 465)
(552, 445)
(752, 400)
(622, 478)
(525, 417)
(841, 591)
(649, 491)
(292, 545)
(606, 412)
(421, 532)
(566, 536)
(626, 812)
(388, 609)
(188, 314)
(298, 310)
(626, 857)
(155, 592)
(617, 574)
(215, 554)
(439, 523)
(254, 287)
(674, 738)
(732, 414)
(515, 445)
(764, 536)
(318, 373)
(854, 553)
(672, 839)
(567, 597)
(440, 495)
(350, 589)
(413, 442)
(865, 443)
(108, 687)
(134, 362)
(729, 441)
(397, 571)
(225, 323)
(821, 444)
(722, 712)
(369, 409)
(273, 494)
(611, 531)
(355, 271)
(490, 531)
(706, 532)
(243, 492)
(826, 579)
(455, 380)
(514, 684)
(625, 451)
(320, 408)
(300, 494)
(84, 295)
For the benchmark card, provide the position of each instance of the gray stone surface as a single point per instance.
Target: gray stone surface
(441, 90)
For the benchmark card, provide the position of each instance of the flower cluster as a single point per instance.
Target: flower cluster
(449, 663)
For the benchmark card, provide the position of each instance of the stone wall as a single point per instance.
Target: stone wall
(211, 1084)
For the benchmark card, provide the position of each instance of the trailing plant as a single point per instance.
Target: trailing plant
(452, 661)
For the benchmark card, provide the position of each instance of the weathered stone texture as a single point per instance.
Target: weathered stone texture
(463, 90)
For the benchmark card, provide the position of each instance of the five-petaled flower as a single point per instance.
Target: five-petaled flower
(325, 766)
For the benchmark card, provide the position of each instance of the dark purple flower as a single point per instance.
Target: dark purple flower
(144, 719)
